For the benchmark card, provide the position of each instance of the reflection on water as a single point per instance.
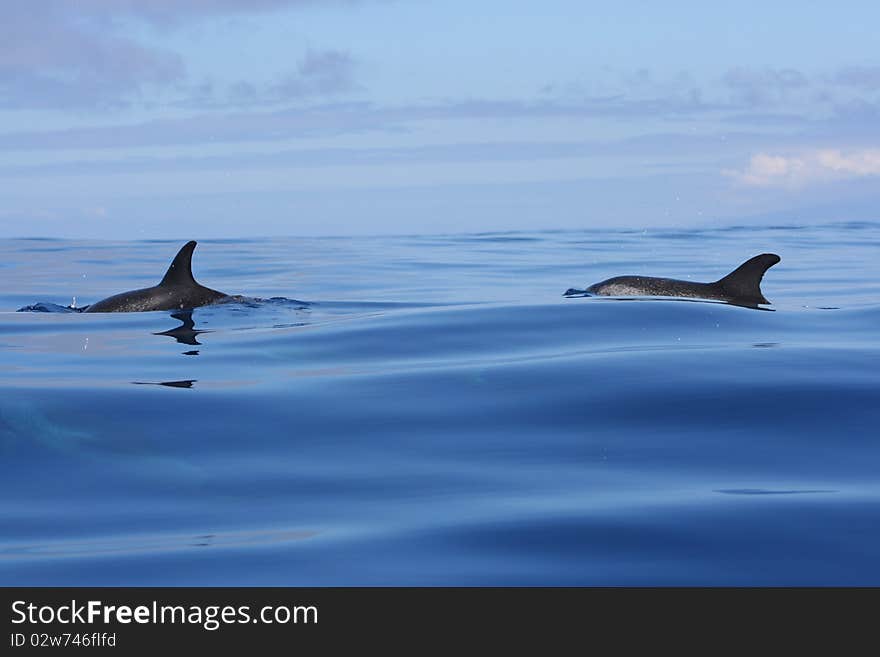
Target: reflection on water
(573, 293)
(188, 383)
(158, 543)
(185, 333)
(763, 491)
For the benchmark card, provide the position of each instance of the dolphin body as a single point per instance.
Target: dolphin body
(741, 287)
(178, 290)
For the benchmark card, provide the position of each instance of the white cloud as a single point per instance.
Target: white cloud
(816, 166)
(859, 163)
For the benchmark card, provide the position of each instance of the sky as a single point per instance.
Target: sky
(130, 119)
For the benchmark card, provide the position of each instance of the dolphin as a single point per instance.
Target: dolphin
(741, 287)
(178, 290)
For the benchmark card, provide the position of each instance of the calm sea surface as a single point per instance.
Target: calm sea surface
(431, 410)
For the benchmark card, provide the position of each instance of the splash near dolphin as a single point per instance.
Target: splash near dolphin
(741, 287)
(178, 290)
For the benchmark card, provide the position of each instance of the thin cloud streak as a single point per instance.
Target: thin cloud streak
(656, 147)
(327, 119)
(251, 125)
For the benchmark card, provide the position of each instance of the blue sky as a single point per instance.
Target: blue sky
(207, 118)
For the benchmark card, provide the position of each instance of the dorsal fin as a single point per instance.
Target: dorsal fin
(180, 271)
(744, 282)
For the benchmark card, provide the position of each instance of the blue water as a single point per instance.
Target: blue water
(431, 410)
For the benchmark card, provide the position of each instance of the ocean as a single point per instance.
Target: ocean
(430, 410)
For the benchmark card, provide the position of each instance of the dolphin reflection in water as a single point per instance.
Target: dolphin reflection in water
(185, 333)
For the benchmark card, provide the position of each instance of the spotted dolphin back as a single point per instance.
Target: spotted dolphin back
(178, 290)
